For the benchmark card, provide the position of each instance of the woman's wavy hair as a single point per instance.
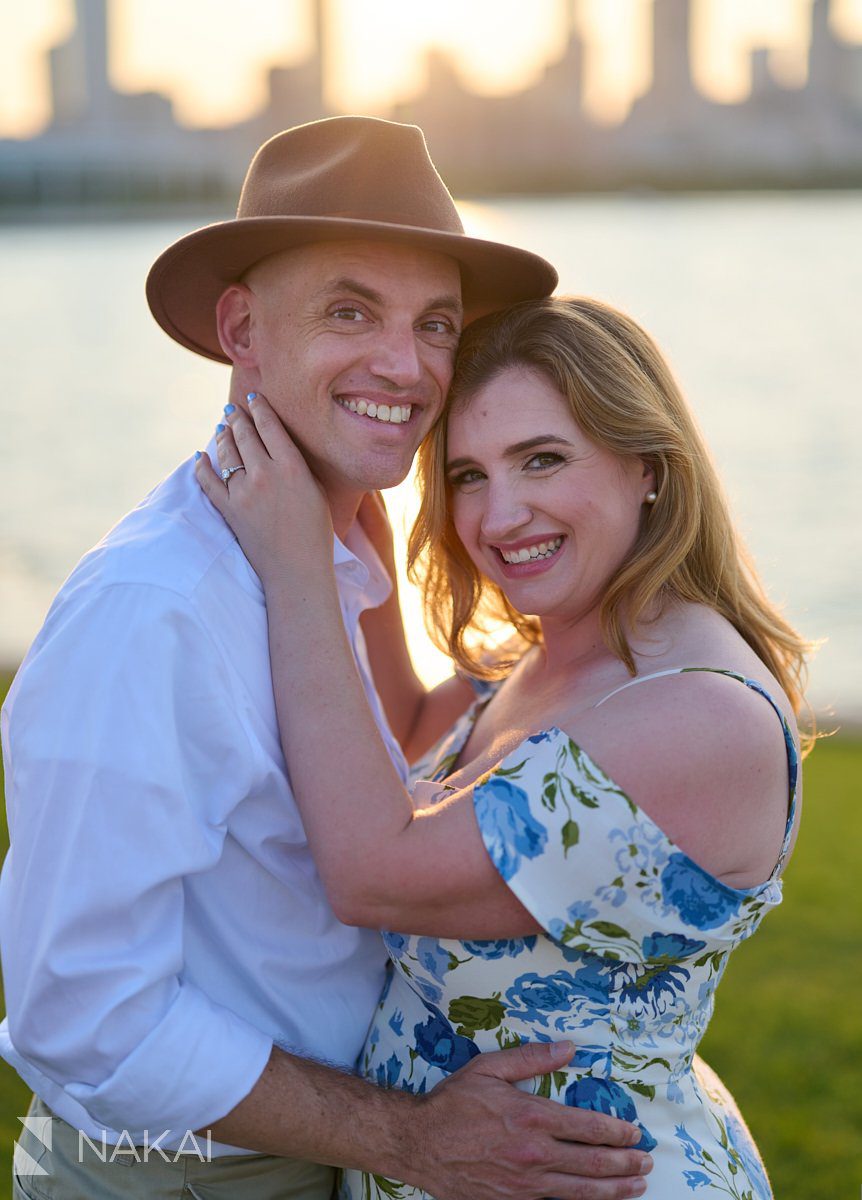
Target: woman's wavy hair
(624, 398)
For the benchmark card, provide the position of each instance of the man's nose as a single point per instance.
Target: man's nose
(395, 358)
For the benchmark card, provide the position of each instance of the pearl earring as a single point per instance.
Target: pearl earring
(651, 497)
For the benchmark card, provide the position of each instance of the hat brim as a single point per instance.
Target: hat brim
(186, 280)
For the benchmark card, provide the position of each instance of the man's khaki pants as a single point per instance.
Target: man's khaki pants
(73, 1175)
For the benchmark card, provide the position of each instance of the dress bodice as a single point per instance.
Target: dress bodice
(636, 938)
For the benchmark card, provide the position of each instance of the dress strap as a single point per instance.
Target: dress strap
(644, 678)
(789, 744)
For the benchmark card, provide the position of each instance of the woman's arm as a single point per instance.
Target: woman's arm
(416, 716)
(706, 762)
(383, 865)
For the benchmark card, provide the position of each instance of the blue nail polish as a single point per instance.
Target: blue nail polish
(229, 408)
(197, 455)
(220, 428)
(251, 397)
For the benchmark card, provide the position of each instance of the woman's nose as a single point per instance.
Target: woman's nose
(505, 513)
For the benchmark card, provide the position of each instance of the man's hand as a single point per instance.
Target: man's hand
(479, 1138)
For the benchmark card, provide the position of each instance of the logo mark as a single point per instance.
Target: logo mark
(23, 1163)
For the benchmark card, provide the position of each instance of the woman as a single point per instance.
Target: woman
(546, 896)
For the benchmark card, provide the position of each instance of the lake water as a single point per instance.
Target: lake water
(754, 298)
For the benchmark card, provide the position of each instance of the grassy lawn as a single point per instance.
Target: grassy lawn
(787, 1037)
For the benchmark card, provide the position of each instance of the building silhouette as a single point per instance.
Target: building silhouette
(103, 144)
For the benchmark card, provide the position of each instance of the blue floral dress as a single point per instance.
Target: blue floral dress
(637, 937)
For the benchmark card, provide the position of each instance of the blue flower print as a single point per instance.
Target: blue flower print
(395, 943)
(655, 985)
(396, 1022)
(699, 899)
(691, 1148)
(740, 1141)
(438, 1043)
(581, 910)
(670, 946)
(501, 948)
(613, 893)
(696, 1179)
(533, 997)
(586, 1058)
(603, 1095)
(433, 957)
(388, 1072)
(544, 736)
(509, 828)
(431, 993)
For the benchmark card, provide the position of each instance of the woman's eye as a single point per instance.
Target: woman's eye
(538, 462)
(466, 478)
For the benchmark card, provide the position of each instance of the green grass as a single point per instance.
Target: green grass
(786, 1037)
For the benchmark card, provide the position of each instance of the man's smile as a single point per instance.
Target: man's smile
(389, 414)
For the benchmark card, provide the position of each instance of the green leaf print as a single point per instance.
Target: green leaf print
(385, 1187)
(549, 792)
(608, 929)
(514, 771)
(560, 1080)
(571, 835)
(445, 765)
(645, 1089)
(475, 1012)
(544, 1088)
(580, 795)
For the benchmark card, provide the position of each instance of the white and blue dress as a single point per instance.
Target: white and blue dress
(636, 938)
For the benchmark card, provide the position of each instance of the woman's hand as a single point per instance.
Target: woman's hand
(273, 503)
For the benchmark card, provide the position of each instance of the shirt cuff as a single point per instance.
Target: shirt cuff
(197, 1064)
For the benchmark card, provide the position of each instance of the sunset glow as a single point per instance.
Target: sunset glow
(213, 65)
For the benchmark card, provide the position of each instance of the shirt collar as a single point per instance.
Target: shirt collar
(359, 570)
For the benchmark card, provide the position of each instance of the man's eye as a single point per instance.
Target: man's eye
(439, 325)
(348, 312)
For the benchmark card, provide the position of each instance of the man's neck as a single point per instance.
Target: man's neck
(343, 507)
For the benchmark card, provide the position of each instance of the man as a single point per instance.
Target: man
(171, 962)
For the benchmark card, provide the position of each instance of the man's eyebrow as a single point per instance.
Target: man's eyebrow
(448, 302)
(345, 284)
(542, 439)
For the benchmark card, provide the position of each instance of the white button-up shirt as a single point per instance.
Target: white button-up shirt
(161, 919)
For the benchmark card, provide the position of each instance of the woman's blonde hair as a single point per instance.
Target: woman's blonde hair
(624, 398)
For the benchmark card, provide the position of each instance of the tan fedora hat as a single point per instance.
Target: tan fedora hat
(332, 180)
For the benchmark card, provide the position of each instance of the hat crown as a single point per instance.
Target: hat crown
(358, 168)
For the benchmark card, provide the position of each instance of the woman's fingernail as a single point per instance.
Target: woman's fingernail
(229, 408)
(251, 397)
(197, 455)
(220, 428)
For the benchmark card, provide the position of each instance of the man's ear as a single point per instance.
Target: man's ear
(233, 320)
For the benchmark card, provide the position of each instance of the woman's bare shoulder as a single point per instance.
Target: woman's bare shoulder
(705, 757)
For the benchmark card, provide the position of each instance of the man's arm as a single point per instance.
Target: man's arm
(474, 1137)
(125, 762)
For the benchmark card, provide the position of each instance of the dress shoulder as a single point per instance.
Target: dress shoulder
(594, 869)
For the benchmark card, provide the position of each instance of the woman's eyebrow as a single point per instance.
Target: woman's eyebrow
(542, 439)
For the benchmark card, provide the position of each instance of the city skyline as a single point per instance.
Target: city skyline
(105, 145)
(508, 56)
